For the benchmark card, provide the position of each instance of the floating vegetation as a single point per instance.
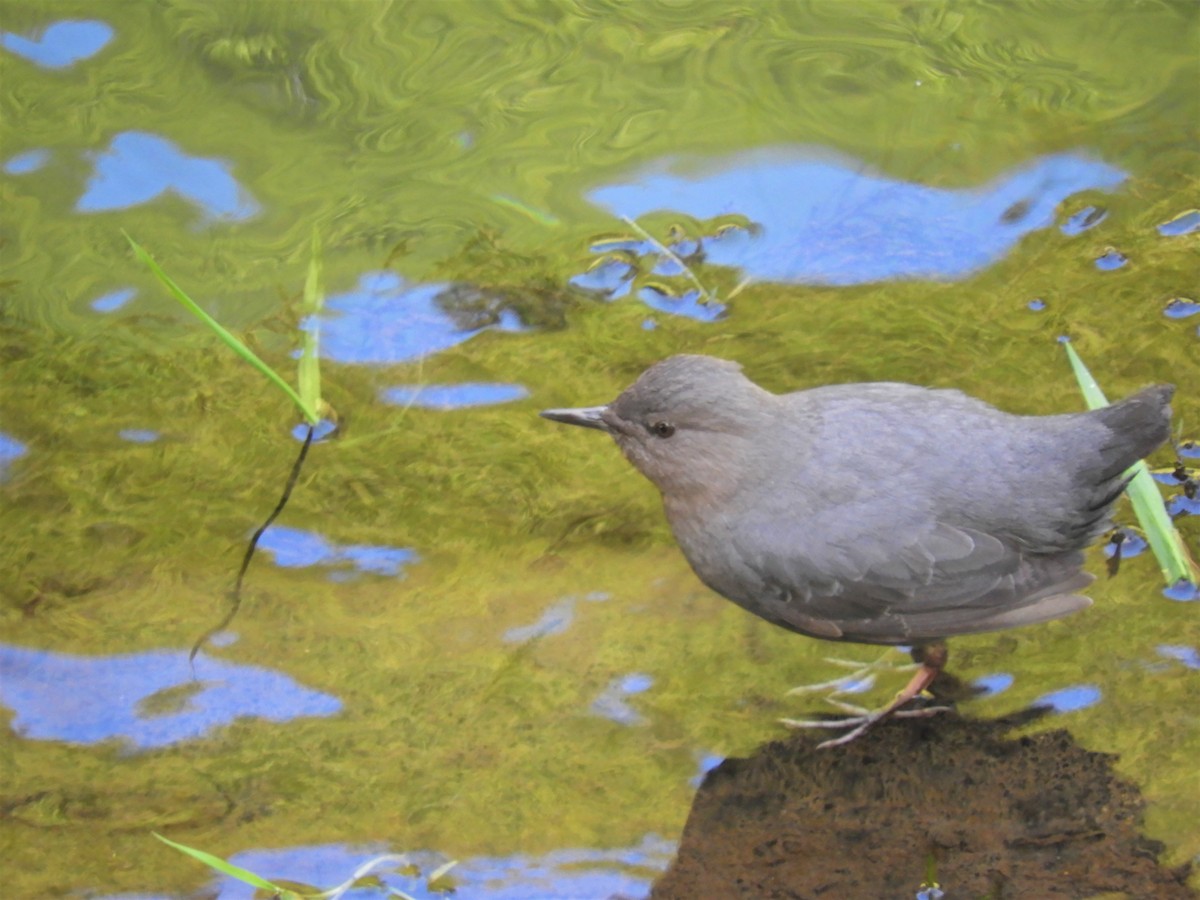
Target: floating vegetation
(308, 400)
(230, 340)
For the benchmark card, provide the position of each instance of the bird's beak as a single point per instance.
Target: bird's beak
(588, 417)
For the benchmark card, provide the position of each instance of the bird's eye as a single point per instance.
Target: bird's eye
(663, 429)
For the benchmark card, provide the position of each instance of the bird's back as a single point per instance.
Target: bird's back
(1044, 481)
(893, 513)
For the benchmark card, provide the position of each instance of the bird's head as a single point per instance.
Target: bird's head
(688, 423)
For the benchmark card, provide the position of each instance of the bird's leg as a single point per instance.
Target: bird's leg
(861, 678)
(932, 659)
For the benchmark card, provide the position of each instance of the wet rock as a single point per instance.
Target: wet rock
(992, 815)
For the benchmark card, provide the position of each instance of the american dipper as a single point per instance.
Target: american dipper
(878, 513)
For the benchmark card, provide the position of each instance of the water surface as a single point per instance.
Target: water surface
(470, 636)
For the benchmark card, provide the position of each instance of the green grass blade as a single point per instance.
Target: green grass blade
(308, 376)
(230, 340)
(539, 216)
(706, 295)
(1093, 396)
(1143, 492)
(215, 862)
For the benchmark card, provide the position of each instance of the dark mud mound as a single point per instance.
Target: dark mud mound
(997, 816)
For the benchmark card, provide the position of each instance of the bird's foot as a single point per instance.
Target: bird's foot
(933, 658)
(861, 677)
(860, 724)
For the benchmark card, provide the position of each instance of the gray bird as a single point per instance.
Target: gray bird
(878, 513)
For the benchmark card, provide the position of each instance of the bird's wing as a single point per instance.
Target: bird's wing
(919, 579)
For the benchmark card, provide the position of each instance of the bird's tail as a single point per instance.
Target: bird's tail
(1140, 424)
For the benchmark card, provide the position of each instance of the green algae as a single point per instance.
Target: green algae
(450, 738)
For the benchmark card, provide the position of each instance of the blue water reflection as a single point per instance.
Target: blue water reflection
(1183, 591)
(705, 764)
(1131, 544)
(89, 699)
(1088, 217)
(321, 430)
(139, 167)
(1111, 260)
(690, 305)
(1070, 699)
(27, 162)
(113, 300)
(611, 277)
(822, 220)
(1189, 656)
(138, 435)
(453, 396)
(10, 450)
(570, 874)
(61, 44)
(296, 548)
(1184, 223)
(1181, 308)
(996, 683)
(555, 620)
(611, 702)
(386, 320)
(1183, 505)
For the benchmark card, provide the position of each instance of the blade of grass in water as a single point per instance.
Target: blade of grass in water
(435, 881)
(308, 377)
(543, 218)
(1143, 492)
(230, 340)
(228, 868)
(705, 295)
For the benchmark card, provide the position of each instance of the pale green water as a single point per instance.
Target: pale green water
(458, 142)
